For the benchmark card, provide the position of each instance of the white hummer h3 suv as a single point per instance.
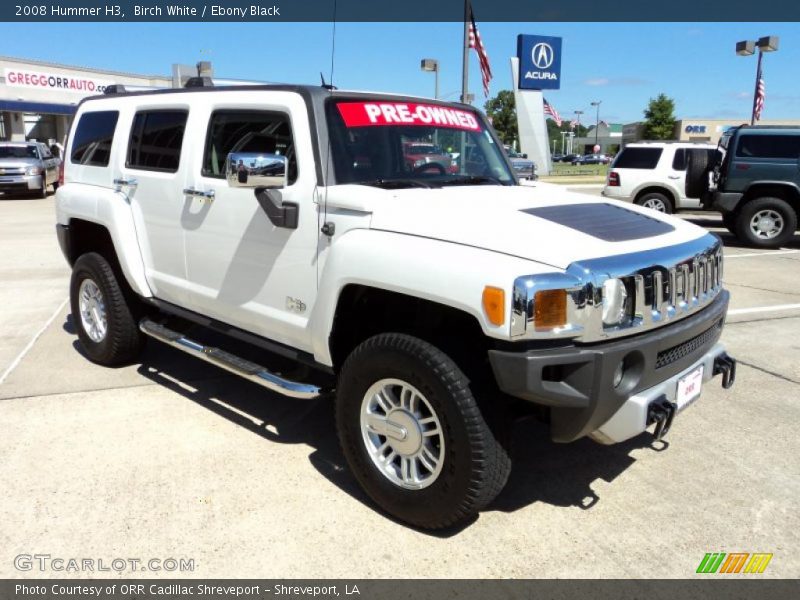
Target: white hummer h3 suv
(431, 301)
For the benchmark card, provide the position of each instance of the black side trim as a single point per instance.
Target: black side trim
(604, 221)
(64, 241)
(241, 335)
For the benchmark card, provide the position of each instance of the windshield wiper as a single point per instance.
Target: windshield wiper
(471, 179)
(395, 183)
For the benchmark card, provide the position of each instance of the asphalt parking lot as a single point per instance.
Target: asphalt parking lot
(173, 458)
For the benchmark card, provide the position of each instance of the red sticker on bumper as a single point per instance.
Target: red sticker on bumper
(374, 114)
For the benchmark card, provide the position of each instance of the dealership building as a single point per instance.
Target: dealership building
(699, 130)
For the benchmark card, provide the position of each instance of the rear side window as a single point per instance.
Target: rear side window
(769, 146)
(638, 158)
(156, 140)
(93, 137)
(248, 131)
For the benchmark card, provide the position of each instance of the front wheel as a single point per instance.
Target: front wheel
(413, 434)
(766, 222)
(101, 313)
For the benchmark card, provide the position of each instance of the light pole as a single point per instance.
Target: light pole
(747, 48)
(578, 114)
(597, 120)
(432, 65)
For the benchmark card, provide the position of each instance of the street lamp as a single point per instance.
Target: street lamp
(578, 114)
(747, 48)
(431, 65)
(597, 120)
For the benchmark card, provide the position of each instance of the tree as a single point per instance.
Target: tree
(659, 118)
(503, 112)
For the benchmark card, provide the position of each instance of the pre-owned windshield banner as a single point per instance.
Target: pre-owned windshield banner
(367, 114)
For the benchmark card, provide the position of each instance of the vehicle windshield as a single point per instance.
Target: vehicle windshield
(18, 152)
(406, 144)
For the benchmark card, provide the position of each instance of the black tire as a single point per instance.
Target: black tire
(42, 193)
(652, 200)
(786, 224)
(697, 169)
(475, 465)
(122, 341)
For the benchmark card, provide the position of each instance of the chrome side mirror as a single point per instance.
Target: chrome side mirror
(253, 169)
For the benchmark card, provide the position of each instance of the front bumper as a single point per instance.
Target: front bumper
(577, 381)
(20, 183)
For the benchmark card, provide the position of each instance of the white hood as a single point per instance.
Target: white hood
(491, 217)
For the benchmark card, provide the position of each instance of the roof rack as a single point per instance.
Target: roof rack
(195, 82)
(116, 88)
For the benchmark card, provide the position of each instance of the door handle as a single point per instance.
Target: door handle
(208, 195)
(674, 176)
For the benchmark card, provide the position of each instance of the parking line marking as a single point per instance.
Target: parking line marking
(760, 309)
(749, 254)
(30, 344)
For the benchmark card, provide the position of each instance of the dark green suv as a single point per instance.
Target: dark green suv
(753, 180)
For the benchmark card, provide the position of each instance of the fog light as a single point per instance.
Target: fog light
(619, 374)
(614, 297)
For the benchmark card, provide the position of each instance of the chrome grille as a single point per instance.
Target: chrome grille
(663, 285)
(12, 170)
(665, 292)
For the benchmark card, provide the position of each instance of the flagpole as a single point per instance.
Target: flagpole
(465, 56)
(755, 91)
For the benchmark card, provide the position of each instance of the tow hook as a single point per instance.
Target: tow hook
(661, 412)
(725, 365)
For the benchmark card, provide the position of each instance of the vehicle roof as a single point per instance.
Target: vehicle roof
(670, 143)
(317, 93)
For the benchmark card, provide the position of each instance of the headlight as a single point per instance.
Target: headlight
(419, 162)
(34, 171)
(614, 298)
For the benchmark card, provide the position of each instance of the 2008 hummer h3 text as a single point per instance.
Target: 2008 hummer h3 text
(287, 222)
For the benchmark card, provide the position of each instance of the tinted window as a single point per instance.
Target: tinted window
(679, 160)
(156, 139)
(769, 146)
(93, 136)
(247, 131)
(638, 158)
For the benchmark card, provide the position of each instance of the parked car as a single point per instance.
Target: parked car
(428, 158)
(591, 159)
(653, 174)
(568, 158)
(425, 306)
(753, 180)
(557, 157)
(27, 168)
(522, 165)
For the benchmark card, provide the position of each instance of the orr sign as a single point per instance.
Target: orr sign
(60, 82)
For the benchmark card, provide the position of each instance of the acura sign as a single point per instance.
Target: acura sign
(539, 62)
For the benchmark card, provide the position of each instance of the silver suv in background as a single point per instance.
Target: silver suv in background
(27, 167)
(653, 175)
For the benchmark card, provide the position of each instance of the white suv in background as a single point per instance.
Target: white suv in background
(653, 175)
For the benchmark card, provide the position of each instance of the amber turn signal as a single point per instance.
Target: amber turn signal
(494, 304)
(550, 309)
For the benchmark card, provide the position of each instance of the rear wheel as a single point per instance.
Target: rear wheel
(656, 201)
(766, 222)
(413, 435)
(106, 325)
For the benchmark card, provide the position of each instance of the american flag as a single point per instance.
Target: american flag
(550, 110)
(476, 43)
(761, 94)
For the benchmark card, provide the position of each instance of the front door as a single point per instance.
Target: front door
(241, 268)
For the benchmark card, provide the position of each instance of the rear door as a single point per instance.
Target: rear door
(764, 156)
(150, 175)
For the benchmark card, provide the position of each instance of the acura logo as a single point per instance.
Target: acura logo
(542, 55)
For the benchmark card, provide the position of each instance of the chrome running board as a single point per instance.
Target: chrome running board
(229, 362)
